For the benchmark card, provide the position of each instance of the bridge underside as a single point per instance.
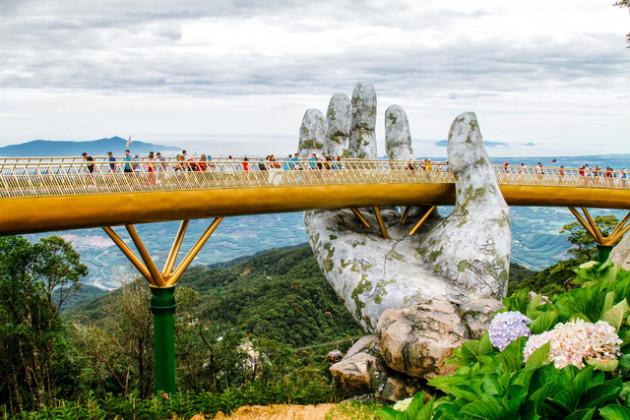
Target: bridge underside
(44, 214)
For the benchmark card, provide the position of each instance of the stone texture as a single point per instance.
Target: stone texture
(338, 124)
(620, 254)
(397, 388)
(438, 287)
(418, 340)
(471, 247)
(362, 135)
(312, 133)
(362, 370)
(397, 134)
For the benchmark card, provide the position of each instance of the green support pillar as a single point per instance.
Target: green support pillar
(603, 252)
(163, 309)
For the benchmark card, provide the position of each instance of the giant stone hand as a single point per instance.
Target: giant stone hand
(422, 294)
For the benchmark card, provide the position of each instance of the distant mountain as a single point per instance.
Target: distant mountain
(37, 148)
(443, 143)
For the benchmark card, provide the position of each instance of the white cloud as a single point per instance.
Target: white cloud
(195, 70)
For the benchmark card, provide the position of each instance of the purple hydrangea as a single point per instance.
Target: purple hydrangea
(507, 327)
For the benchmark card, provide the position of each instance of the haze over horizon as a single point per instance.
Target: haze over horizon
(225, 77)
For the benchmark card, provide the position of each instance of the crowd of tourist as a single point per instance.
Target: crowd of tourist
(154, 163)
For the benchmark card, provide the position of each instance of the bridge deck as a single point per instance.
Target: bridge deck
(61, 194)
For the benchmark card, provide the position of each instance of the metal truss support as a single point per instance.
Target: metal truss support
(604, 244)
(381, 224)
(422, 220)
(162, 294)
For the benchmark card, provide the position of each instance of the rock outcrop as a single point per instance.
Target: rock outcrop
(422, 295)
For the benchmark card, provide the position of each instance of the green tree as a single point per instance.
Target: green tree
(585, 248)
(31, 331)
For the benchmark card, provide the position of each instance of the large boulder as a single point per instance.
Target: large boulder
(362, 370)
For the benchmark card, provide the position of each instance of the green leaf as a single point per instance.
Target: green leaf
(489, 410)
(539, 356)
(603, 365)
(624, 361)
(615, 412)
(426, 413)
(615, 315)
(388, 413)
(609, 301)
(583, 414)
(416, 405)
(544, 322)
(485, 346)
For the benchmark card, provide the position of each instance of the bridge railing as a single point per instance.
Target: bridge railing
(31, 177)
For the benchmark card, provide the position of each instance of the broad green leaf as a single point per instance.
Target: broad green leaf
(426, 412)
(388, 413)
(608, 301)
(603, 365)
(615, 412)
(491, 385)
(487, 410)
(602, 394)
(615, 315)
(583, 414)
(485, 346)
(533, 305)
(416, 405)
(539, 356)
(544, 322)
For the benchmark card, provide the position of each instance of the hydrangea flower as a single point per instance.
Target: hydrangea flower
(588, 264)
(507, 327)
(403, 405)
(574, 342)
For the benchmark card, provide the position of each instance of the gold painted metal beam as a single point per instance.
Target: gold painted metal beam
(148, 269)
(599, 237)
(583, 222)
(129, 254)
(360, 217)
(175, 275)
(422, 220)
(46, 214)
(177, 243)
(591, 227)
(620, 226)
(381, 224)
(403, 218)
(146, 257)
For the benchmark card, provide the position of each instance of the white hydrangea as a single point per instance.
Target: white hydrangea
(573, 342)
(403, 405)
(588, 264)
(507, 327)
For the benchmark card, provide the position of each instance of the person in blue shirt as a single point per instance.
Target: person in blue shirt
(288, 166)
(112, 162)
(313, 161)
(127, 167)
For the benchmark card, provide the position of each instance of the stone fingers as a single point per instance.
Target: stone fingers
(362, 134)
(312, 133)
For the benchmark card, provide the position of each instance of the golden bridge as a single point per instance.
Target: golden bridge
(49, 194)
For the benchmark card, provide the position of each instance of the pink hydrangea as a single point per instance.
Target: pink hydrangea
(573, 342)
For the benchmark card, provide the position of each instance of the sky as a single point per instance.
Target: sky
(236, 77)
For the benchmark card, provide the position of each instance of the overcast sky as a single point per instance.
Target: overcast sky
(237, 76)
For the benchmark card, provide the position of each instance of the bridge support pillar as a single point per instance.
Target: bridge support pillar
(162, 294)
(603, 252)
(163, 309)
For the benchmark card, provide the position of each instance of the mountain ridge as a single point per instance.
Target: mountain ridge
(100, 147)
